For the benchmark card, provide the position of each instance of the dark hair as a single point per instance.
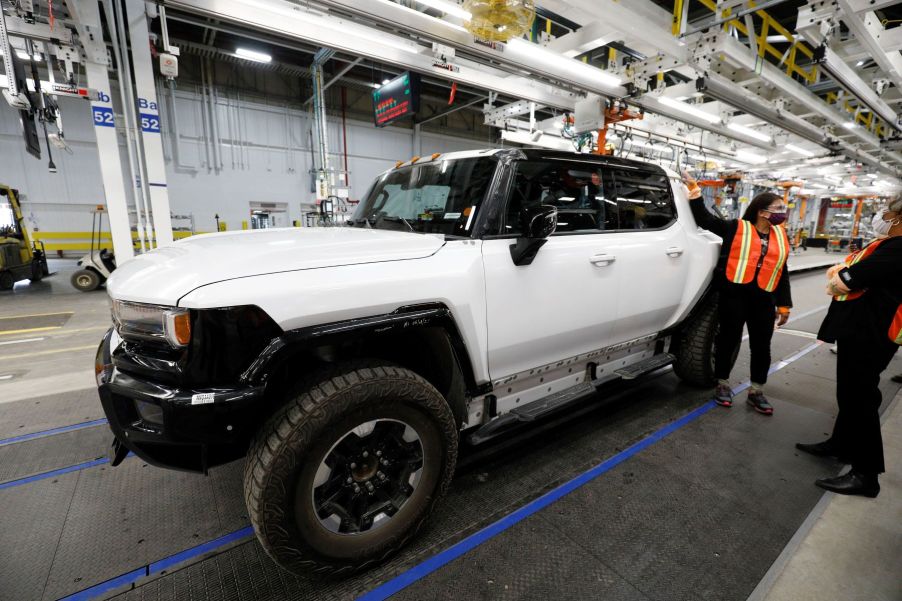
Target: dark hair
(760, 203)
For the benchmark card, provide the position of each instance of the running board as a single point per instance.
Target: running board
(532, 411)
(560, 400)
(643, 367)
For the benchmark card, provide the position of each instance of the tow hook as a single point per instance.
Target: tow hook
(117, 452)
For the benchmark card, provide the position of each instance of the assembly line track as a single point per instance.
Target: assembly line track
(129, 579)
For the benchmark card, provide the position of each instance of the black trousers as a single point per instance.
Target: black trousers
(736, 308)
(856, 432)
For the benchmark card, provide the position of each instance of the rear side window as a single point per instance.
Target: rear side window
(580, 190)
(644, 198)
(591, 197)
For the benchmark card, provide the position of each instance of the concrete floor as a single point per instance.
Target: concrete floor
(848, 549)
(48, 334)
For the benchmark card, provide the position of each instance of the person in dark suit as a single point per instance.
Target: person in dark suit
(865, 320)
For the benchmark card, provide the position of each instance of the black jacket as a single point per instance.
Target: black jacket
(869, 317)
(726, 229)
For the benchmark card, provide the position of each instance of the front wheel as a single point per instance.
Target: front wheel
(349, 469)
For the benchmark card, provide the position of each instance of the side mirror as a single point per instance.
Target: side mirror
(536, 224)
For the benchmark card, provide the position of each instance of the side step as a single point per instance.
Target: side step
(532, 411)
(559, 400)
(643, 367)
(553, 402)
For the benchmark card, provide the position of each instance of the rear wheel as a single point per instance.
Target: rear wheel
(349, 469)
(696, 347)
(6, 280)
(85, 280)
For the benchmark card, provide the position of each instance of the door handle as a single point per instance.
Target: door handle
(674, 251)
(602, 260)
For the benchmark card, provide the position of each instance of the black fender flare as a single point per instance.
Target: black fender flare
(279, 349)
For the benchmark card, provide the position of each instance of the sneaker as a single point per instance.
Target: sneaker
(759, 403)
(723, 395)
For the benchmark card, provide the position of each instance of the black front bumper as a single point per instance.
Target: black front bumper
(191, 430)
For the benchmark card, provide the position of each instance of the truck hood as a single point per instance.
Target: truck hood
(164, 275)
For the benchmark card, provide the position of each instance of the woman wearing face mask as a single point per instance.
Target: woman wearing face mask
(865, 320)
(753, 283)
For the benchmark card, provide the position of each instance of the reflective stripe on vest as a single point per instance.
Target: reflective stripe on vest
(858, 257)
(772, 268)
(746, 251)
(895, 329)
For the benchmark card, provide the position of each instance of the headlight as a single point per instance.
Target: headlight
(135, 321)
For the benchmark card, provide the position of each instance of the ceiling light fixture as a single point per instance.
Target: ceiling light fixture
(749, 157)
(24, 56)
(801, 151)
(251, 55)
(749, 132)
(447, 8)
(850, 125)
(554, 62)
(688, 109)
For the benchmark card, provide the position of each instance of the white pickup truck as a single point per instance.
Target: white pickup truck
(471, 292)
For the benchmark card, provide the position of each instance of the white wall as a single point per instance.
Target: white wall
(268, 161)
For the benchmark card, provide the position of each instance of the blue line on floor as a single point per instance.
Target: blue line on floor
(159, 566)
(435, 562)
(430, 565)
(103, 587)
(53, 473)
(168, 562)
(52, 431)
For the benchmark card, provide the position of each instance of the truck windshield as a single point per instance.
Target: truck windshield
(438, 197)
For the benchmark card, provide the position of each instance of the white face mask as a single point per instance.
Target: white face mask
(881, 227)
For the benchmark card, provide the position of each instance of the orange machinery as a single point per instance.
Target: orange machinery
(613, 114)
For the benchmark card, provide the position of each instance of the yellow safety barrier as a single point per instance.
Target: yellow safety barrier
(867, 119)
(765, 48)
(81, 241)
(798, 50)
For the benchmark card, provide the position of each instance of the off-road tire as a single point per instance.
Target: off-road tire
(85, 280)
(695, 347)
(287, 450)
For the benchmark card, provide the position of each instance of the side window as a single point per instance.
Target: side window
(579, 190)
(644, 199)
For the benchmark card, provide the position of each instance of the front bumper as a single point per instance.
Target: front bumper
(191, 430)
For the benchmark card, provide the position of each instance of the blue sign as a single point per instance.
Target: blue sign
(150, 123)
(103, 116)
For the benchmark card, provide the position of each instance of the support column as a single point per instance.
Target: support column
(86, 16)
(149, 120)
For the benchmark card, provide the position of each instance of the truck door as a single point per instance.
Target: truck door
(565, 302)
(652, 257)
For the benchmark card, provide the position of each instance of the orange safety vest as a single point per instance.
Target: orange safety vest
(746, 252)
(858, 257)
(895, 328)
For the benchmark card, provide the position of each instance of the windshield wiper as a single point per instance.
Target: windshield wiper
(396, 219)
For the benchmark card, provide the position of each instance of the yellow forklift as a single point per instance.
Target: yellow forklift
(20, 258)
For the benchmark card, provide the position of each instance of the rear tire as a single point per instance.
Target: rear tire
(310, 509)
(85, 280)
(7, 281)
(696, 349)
